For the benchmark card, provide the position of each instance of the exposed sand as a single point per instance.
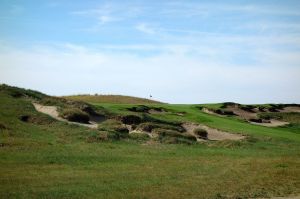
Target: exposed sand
(293, 109)
(205, 110)
(287, 197)
(213, 134)
(273, 123)
(241, 113)
(52, 112)
(249, 115)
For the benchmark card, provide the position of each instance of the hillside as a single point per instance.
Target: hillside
(114, 99)
(49, 150)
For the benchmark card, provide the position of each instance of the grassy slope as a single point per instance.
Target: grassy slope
(117, 99)
(53, 160)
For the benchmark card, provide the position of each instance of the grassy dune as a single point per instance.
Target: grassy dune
(115, 99)
(45, 158)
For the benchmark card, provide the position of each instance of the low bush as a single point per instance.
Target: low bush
(201, 133)
(75, 115)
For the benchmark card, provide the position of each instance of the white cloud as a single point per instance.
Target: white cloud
(145, 28)
(173, 76)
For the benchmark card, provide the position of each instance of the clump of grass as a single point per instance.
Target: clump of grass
(20, 92)
(131, 119)
(174, 137)
(115, 127)
(223, 112)
(226, 104)
(201, 133)
(101, 136)
(292, 117)
(140, 137)
(149, 126)
(75, 115)
(248, 108)
(36, 119)
(256, 120)
(140, 108)
(2, 126)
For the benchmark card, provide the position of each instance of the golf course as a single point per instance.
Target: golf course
(143, 150)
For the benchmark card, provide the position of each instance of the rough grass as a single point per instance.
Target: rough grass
(58, 160)
(113, 99)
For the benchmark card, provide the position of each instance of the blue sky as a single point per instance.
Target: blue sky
(178, 51)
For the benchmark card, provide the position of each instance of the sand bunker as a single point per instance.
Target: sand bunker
(52, 112)
(252, 115)
(212, 134)
(273, 123)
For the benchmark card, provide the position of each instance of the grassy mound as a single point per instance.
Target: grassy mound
(114, 99)
(174, 137)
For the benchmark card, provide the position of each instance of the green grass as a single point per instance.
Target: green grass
(50, 159)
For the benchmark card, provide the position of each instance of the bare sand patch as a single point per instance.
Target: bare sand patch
(292, 109)
(272, 123)
(212, 134)
(52, 112)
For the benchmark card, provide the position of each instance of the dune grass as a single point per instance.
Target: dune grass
(52, 159)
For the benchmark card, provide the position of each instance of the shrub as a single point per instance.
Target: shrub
(75, 115)
(201, 133)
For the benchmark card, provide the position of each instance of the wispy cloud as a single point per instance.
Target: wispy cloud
(145, 28)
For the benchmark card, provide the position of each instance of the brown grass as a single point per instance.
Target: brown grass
(113, 99)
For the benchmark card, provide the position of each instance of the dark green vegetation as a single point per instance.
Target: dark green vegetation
(75, 115)
(44, 158)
